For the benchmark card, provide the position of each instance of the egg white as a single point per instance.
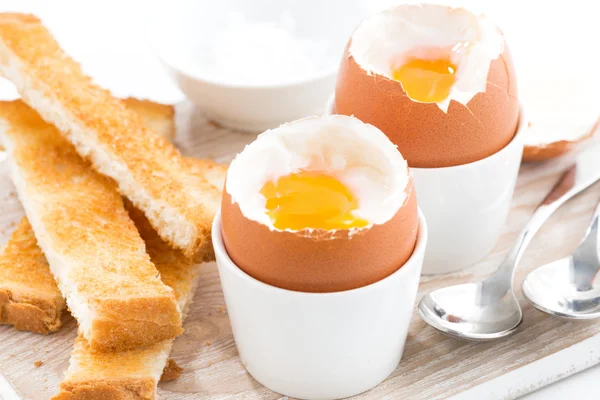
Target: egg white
(357, 154)
(382, 40)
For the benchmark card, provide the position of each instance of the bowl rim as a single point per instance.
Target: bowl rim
(415, 261)
(322, 76)
(150, 33)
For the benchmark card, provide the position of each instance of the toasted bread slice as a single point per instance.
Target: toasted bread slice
(157, 117)
(132, 374)
(93, 248)
(148, 170)
(29, 297)
(214, 173)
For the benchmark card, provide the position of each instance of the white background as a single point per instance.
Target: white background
(556, 47)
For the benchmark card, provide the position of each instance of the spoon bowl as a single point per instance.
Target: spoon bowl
(569, 287)
(550, 288)
(460, 311)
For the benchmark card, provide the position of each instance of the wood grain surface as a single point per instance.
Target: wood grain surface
(433, 367)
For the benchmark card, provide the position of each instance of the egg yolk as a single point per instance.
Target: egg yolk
(428, 81)
(308, 199)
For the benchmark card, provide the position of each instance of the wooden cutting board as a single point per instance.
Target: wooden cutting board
(434, 366)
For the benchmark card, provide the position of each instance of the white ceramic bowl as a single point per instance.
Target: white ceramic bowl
(182, 33)
(320, 345)
(466, 206)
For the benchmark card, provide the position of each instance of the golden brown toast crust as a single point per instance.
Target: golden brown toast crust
(125, 373)
(34, 315)
(113, 389)
(149, 171)
(85, 232)
(29, 297)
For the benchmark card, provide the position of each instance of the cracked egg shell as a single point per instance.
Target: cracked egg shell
(569, 136)
(321, 260)
(426, 134)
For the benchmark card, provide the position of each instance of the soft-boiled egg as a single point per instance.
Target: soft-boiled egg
(322, 204)
(439, 81)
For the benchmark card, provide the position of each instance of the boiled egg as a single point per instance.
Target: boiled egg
(439, 81)
(554, 136)
(322, 204)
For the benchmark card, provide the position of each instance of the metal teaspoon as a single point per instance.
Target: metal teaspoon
(489, 309)
(568, 287)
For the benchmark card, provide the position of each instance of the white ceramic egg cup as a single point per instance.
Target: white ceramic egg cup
(466, 206)
(320, 345)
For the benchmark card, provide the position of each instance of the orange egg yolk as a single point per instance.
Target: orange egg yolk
(428, 81)
(308, 199)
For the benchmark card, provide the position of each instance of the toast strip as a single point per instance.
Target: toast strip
(148, 170)
(131, 374)
(29, 297)
(93, 248)
(157, 117)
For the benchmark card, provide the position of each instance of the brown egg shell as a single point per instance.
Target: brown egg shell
(320, 262)
(426, 136)
(548, 151)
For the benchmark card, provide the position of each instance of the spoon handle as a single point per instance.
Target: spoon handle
(581, 175)
(586, 260)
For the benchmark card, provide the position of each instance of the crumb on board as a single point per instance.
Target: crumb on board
(38, 363)
(222, 309)
(207, 343)
(171, 372)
